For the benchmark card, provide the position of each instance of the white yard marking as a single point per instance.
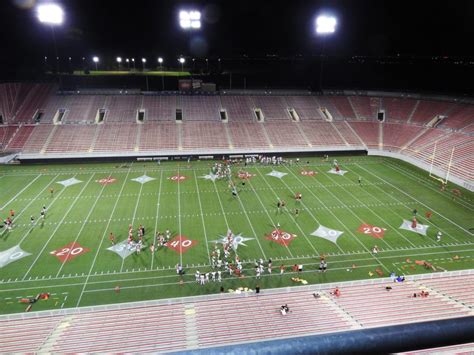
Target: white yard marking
(102, 239)
(291, 216)
(156, 220)
(427, 184)
(28, 205)
(19, 193)
(179, 224)
(134, 214)
(82, 227)
(56, 229)
(202, 217)
(394, 228)
(337, 218)
(421, 203)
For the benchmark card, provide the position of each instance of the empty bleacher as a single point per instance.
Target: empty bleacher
(306, 107)
(427, 110)
(365, 107)
(368, 132)
(239, 108)
(398, 109)
(200, 108)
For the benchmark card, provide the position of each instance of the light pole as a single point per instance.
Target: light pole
(133, 62)
(143, 63)
(160, 61)
(119, 61)
(128, 63)
(95, 59)
(325, 25)
(182, 61)
(52, 15)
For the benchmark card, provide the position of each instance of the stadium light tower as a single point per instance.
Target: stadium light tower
(53, 15)
(324, 25)
(128, 63)
(160, 61)
(95, 59)
(143, 63)
(133, 61)
(182, 61)
(190, 20)
(119, 61)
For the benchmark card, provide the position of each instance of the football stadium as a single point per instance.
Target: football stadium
(173, 182)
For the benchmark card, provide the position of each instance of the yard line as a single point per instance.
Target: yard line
(427, 184)
(156, 220)
(202, 217)
(134, 215)
(56, 229)
(348, 261)
(83, 226)
(222, 207)
(294, 220)
(337, 218)
(14, 197)
(421, 203)
(28, 205)
(395, 229)
(421, 216)
(102, 239)
(179, 223)
(251, 226)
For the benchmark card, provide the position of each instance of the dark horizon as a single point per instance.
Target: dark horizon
(401, 43)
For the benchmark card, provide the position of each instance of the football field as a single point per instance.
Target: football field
(68, 254)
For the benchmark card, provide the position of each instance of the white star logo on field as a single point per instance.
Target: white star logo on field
(327, 233)
(277, 174)
(236, 240)
(211, 176)
(143, 179)
(69, 182)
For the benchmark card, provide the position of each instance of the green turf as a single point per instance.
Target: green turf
(202, 211)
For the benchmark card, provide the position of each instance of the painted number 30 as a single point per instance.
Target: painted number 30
(74, 251)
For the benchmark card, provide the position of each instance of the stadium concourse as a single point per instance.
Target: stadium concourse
(40, 123)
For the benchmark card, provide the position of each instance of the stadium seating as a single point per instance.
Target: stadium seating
(235, 318)
(398, 109)
(273, 107)
(365, 107)
(200, 135)
(459, 117)
(427, 110)
(200, 108)
(368, 132)
(354, 123)
(343, 106)
(154, 137)
(239, 108)
(306, 107)
(159, 108)
(116, 137)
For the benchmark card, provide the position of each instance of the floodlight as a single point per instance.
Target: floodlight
(325, 24)
(127, 60)
(160, 60)
(133, 60)
(52, 14)
(143, 60)
(119, 59)
(95, 59)
(190, 19)
(181, 60)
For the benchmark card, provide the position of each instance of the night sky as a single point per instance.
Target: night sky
(146, 28)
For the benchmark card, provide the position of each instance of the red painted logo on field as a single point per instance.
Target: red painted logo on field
(177, 178)
(308, 173)
(244, 175)
(371, 230)
(107, 180)
(69, 251)
(281, 237)
(181, 244)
